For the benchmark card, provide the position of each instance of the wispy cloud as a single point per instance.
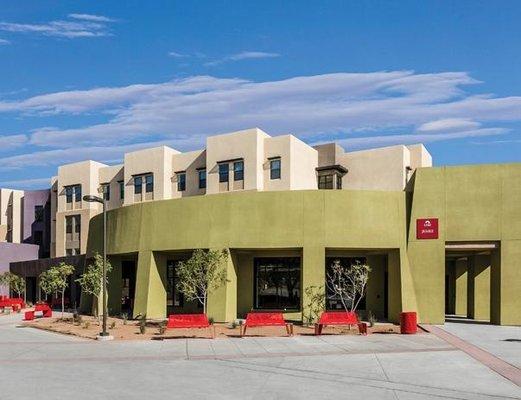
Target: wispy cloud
(78, 26)
(4, 42)
(175, 54)
(245, 55)
(10, 142)
(26, 183)
(358, 109)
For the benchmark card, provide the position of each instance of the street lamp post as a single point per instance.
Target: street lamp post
(104, 335)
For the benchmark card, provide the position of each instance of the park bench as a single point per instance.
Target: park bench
(257, 319)
(29, 315)
(189, 321)
(45, 309)
(341, 318)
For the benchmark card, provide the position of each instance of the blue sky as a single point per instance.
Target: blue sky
(85, 79)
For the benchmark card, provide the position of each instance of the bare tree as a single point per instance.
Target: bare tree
(348, 283)
(201, 274)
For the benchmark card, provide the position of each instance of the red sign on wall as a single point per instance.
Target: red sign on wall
(427, 228)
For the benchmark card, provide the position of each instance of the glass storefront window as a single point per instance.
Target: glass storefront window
(333, 301)
(277, 283)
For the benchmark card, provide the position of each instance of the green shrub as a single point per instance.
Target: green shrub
(162, 327)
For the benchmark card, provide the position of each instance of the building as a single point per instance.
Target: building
(439, 240)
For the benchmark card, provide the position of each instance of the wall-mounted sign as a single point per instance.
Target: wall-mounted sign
(427, 228)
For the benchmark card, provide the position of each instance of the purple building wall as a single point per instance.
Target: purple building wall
(12, 252)
(37, 232)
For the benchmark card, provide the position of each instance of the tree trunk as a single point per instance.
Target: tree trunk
(63, 302)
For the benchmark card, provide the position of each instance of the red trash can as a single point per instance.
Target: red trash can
(408, 322)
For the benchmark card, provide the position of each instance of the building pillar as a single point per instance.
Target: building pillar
(479, 288)
(506, 284)
(150, 285)
(461, 286)
(313, 279)
(222, 303)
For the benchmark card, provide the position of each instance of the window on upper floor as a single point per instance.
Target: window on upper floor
(105, 189)
(339, 182)
(202, 178)
(238, 170)
(181, 181)
(275, 168)
(121, 190)
(68, 194)
(73, 191)
(149, 183)
(138, 184)
(325, 182)
(38, 213)
(223, 172)
(77, 193)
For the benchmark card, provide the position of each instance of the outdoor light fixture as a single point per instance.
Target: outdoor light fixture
(104, 335)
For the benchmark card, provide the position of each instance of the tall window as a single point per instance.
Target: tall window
(121, 190)
(68, 194)
(106, 191)
(338, 182)
(223, 172)
(68, 224)
(275, 168)
(138, 184)
(202, 179)
(325, 182)
(38, 213)
(149, 183)
(77, 193)
(238, 170)
(181, 182)
(277, 283)
(174, 297)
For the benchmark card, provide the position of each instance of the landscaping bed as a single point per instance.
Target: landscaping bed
(120, 329)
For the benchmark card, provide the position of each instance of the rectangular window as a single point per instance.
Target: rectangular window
(277, 283)
(275, 168)
(338, 182)
(223, 172)
(333, 301)
(68, 194)
(325, 182)
(77, 193)
(149, 182)
(181, 182)
(106, 191)
(38, 238)
(138, 184)
(38, 213)
(68, 224)
(77, 224)
(202, 179)
(238, 170)
(174, 296)
(121, 190)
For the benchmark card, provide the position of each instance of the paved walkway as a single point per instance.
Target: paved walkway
(43, 365)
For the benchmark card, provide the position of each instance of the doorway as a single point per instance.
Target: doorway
(128, 286)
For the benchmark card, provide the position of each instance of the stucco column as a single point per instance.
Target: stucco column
(222, 303)
(313, 275)
(479, 288)
(150, 285)
(506, 284)
(114, 286)
(461, 285)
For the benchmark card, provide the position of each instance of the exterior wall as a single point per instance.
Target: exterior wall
(303, 163)
(419, 156)
(11, 216)
(479, 288)
(12, 252)
(247, 145)
(158, 161)
(112, 176)
(32, 199)
(190, 163)
(279, 146)
(461, 291)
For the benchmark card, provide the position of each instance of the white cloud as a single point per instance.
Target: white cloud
(4, 42)
(245, 55)
(90, 17)
(79, 25)
(22, 184)
(10, 142)
(175, 54)
(450, 124)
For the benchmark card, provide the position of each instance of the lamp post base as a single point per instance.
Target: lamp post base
(105, 337)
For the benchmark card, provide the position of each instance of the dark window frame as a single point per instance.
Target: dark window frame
(326, 182)
(181, 181)
(121, 190)
(106, 191)
(77, 193)
(202, 182)
(138, 184)
(172, 290)
(286, 263)
(39, 213)
(68, 194)
(238, 173)
(275, 173)
(224, 173)
(149, 183)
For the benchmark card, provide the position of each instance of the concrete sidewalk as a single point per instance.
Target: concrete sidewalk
(42, 365)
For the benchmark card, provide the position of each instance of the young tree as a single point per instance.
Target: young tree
(14, 282)
(348, 283)
(201, 274)
(91, 281)
(56, 280)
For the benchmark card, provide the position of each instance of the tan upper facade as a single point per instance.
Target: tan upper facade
(248, 160)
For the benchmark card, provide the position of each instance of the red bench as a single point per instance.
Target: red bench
(266, 319)
(16, 303)
(47, 311)
(29, 315)
(337, 318)
(187, 321)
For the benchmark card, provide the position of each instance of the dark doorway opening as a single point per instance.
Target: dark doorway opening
(128, 287)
